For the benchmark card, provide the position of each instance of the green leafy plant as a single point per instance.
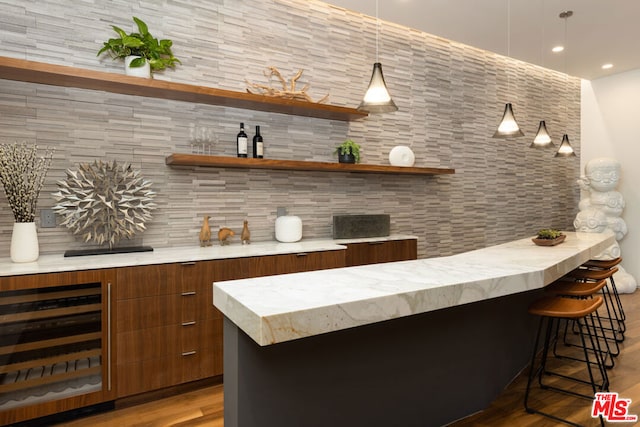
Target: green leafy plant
(142, 44)
(349, 147)
(549, 233)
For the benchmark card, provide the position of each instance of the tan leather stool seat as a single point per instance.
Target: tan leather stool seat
(602, 264)
(564, 308)
(575, 289)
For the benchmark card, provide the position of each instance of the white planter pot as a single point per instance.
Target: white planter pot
(144, 71)
(24, 242)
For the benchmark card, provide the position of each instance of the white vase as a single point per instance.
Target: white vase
(144, 71)
(24, 242)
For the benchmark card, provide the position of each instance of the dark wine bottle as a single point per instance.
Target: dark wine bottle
(258, 145)
(241, 142)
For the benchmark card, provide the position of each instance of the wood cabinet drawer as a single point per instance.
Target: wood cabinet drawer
(160, 372)
(145, 281)
(383, 251)
(294, 263)
(150, 343)
(164, 279)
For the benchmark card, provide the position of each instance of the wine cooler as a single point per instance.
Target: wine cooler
(50, 343)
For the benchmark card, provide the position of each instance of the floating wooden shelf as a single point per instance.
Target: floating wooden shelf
(297, 165)
(58, 75)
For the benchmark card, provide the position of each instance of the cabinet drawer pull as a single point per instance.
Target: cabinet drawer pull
(193, 322)
(189, 353)
(186, 294)
(376, 243)
(302, 254)
(186, 264)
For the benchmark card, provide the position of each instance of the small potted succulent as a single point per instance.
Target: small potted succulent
(348, 152)
(549, 237)
(143, 53)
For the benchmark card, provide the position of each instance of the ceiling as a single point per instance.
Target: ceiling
(599, 32)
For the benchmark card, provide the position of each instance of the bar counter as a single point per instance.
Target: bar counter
(412, 343)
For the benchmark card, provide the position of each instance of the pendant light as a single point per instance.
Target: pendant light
(542, 138)
(508, 126)
(565, 149)
(377, 98)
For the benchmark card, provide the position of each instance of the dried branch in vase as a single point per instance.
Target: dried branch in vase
(288, 90)
(22, 173)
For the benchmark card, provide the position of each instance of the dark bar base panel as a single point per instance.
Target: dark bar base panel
(423, 370)
(107, 251)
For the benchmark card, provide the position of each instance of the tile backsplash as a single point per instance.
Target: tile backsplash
(450, 98)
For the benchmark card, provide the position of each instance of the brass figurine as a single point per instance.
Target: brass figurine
(223, 234)
(246, 234)
(205, 232)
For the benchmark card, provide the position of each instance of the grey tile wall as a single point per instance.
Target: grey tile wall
(450, 96)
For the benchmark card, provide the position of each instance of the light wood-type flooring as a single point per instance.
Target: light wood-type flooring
(204, 407)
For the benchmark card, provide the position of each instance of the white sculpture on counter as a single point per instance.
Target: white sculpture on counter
(600, 210)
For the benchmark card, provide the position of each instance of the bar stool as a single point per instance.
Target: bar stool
(572, 289)
(613, 315)
(597, 264)
(554, 309)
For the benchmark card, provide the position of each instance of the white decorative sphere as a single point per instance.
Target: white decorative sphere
(401, 155)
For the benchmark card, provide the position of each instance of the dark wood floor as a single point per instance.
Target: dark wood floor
(204, 407)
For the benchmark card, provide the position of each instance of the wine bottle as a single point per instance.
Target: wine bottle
(258, 145)
(241, 142)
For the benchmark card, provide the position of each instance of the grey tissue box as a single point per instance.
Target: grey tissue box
(352, 226)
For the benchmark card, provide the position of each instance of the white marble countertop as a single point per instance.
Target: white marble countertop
(58, 263)
(281, 308)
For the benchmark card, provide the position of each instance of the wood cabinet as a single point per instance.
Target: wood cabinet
(168, 331)
(381, 251)
(55, 343)
(148, 327)
(294, 263)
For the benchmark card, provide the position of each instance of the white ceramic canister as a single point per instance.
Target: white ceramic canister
(288, 228)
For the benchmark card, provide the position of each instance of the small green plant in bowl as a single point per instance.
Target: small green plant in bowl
(549, 237)
(549, 233)
(348, 152)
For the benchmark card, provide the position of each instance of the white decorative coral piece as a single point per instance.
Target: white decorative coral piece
(104, 202)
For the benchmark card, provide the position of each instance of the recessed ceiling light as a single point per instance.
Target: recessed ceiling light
(557, 49)
(607, 66)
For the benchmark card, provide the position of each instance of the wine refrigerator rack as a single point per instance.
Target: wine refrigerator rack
(50, 343)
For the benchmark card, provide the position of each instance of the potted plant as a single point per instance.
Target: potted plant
(22, 173)
(549, 237)
(143, 53)
(348, 152)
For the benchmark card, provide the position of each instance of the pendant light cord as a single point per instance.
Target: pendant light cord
(377, 30)
(508, 28)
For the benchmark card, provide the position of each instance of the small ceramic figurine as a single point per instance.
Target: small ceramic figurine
(205, 232)
(223, 234)
(246, 235)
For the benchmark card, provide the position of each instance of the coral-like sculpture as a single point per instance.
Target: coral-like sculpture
(104, 202)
